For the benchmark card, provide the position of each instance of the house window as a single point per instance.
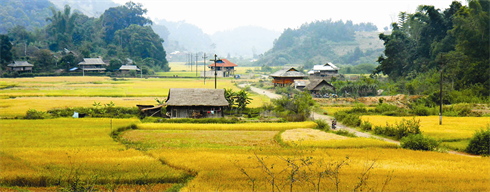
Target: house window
(175, 113)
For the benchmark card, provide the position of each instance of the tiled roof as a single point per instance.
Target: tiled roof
(225, 63)
(196, 97)
(20, 64)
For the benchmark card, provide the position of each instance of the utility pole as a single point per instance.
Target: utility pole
(204, 68)
(440, 105)
(196, 65)
(141, 72)
(191, 61)
(215, 74)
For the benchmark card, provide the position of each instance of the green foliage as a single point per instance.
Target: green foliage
(344, 132)
(301, 106)
(31, 14)
(242, 99)
(230, 97)
(421, 110)
(348, 119)
(5, 51)
(480, 143)
(400, 130)
(366, 126)
(322, 124)
(35, 114)
(419, 142)
(109, 110)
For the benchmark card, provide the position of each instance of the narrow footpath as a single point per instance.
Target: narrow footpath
(272, 95)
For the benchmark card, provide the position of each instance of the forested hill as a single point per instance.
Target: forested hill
(30, 14)
(184, 36)
(322, 41)
(119, 34)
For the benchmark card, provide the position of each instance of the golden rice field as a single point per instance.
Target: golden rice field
(320, 139)
(452, 128)
(41, 153)
(223, 169)
(333, 110)
(238, 126)
(101, 86)
(182, 70)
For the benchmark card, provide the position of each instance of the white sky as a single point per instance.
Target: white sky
(221, 15)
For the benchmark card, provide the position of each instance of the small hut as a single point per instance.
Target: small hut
(286, 76)
(20, 66)
(196, 103)
(125, 69)
(316, 86)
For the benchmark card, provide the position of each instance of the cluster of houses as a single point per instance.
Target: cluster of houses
(88, 65)
(318, 78)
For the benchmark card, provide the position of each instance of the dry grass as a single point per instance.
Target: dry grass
(452, 128)
(202, 139)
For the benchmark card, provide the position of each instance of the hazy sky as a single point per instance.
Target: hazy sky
(212, 16)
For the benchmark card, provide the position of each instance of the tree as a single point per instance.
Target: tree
(61, 28)
(117, 18)
(44, 60)
(6, 56)
(242, 99)
(230, 97)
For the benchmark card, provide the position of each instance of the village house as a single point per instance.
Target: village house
(93, 65)
(286, 76)
(325, 71)
(20, 66)
(227, 68)
(316, 86)
(125, 69)
(196, 103)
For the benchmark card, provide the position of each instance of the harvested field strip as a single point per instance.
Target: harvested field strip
(452, 128)
(320, 139)
(241, 126)
(200, 138)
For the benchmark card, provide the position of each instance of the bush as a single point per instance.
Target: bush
(480, 143)
(359, 108)
(366, 126)
(421, 111)
(345, 133)
(35, 114)
(384, 107)
(348, 119)
(322, 124)
(419, 142)
(400, 130)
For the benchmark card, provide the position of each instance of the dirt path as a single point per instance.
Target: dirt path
(272, 95)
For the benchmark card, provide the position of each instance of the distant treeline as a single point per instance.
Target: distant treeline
(456, 37)
(119, 35)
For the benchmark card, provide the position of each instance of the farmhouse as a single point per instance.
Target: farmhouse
(316, 86)
(196, 103)
(124, 69)
(226, 67)
(323, 71)
(93, 65)
(20, 66)
(286, 76)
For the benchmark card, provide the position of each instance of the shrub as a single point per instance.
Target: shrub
(480, 143)
(400, 130)
(344, 133)
(384, 107)
(419, 142)
(348, 119)
(359, 108)
(421, 111)
(35, 114)
(366, 126)
(322, 124)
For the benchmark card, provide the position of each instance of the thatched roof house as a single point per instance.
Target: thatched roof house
(286, 76)
(195, 103)
(316, 85)
(20, 66)
(93, 64)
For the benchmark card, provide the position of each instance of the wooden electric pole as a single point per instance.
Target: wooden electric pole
(191, 61)
(196, 65)
(215, 74)
(204, 68)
